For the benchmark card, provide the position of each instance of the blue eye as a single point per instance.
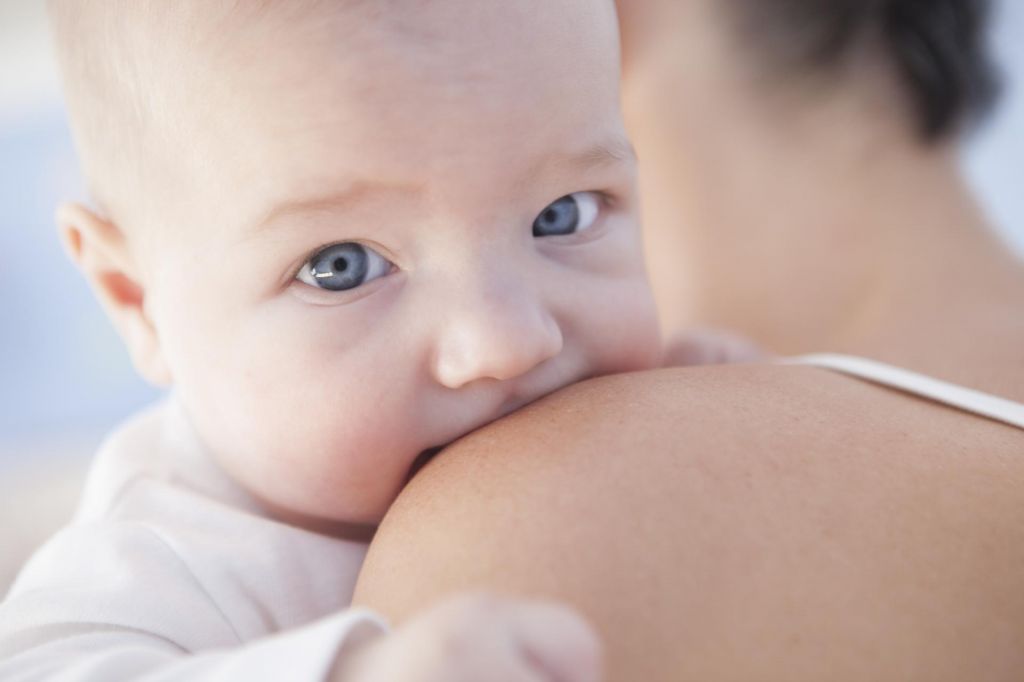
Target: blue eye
(343, 266)
(572, 213)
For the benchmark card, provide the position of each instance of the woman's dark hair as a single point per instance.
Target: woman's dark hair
(938, 48)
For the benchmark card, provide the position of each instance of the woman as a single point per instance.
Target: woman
(775, 521)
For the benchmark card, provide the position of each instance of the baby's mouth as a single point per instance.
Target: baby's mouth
(421, 461)
(511, 405)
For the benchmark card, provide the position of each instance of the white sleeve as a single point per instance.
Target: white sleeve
(111, 655)
(116, 602)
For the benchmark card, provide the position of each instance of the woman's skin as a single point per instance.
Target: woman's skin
(763, 522)
(733, 523)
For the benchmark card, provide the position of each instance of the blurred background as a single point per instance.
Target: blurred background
(65, 377)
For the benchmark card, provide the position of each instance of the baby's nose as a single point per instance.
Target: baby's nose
(495, 337)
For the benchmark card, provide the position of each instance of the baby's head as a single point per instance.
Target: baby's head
(348, 231)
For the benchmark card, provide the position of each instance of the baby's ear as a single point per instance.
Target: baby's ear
(99, 249)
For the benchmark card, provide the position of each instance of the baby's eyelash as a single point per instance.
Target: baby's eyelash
(609, 199)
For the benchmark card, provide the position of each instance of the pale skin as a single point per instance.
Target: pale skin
(431, 143)
(768, 522)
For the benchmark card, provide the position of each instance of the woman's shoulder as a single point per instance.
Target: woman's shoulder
(724, 423)
(799, 516)
(737, 411)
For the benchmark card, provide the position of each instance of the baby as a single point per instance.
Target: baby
(346, 232)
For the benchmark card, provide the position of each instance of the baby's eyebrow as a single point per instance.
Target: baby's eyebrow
(615, 149)
(327, 203)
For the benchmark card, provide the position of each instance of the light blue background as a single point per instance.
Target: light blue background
(64, 371)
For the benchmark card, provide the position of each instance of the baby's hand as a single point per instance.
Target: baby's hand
(712, 347)
(481, 638)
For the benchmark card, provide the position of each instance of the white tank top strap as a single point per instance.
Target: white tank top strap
(966, 399)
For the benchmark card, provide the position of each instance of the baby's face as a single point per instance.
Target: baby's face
(394, 223)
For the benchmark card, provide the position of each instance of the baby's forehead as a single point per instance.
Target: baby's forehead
(154, 45)
(228, 94)
(390, 65)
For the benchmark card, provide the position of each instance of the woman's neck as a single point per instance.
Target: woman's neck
(941, 293)
(827, 229)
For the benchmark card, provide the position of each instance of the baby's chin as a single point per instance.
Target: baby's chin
(346, 530)
(427, 455)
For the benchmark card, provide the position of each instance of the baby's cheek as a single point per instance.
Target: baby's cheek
(346, 460)
(629, 332)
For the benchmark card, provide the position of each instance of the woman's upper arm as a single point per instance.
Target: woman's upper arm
(730, 523)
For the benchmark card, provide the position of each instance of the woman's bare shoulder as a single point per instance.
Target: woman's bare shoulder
(819, 525)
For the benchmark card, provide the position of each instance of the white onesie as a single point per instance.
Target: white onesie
(171, 572)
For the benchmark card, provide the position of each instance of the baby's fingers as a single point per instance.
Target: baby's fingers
(555, 642)
(712, 347)
(482, 638)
